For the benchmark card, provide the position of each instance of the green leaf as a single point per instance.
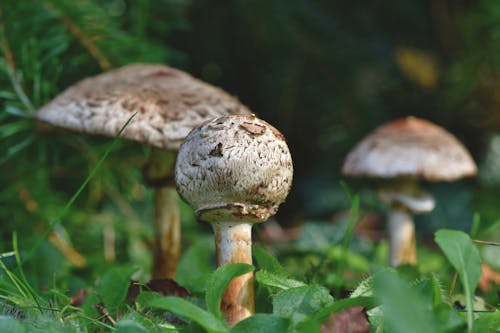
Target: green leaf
(404, 309)
(299, 303)
(487, 323)
(130, 326)
(11, 325)
(464, 257)
(144, 321)
(277, 281)
(262, 323)
(266, 261)
(218, 282)
(113, 287)
(183, 308)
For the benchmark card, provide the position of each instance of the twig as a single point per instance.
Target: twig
(11, 66)
(486, 242)
(77, 32)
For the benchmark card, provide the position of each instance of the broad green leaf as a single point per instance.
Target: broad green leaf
(218, 282)
(183, 308)
(404, 309)
(262, 323)
(11, 325)
(130, 326)
(299, 303)
(277, 281)
(113, 287)
(266, 261)
(464, 257)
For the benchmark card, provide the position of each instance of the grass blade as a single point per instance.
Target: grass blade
(183, 308)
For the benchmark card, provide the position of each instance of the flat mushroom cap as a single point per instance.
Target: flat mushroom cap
(410, 147)
(234, 168)
(168, 103)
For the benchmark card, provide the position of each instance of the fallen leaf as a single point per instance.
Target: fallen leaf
(79, 297)
(350, 320)
(166, 287)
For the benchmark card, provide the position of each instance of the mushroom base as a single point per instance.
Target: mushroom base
(233, 244)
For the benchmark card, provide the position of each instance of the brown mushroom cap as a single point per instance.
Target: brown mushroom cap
(168, 103)
(234, 168)
(410, 147)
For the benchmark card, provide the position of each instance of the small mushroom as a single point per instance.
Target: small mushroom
(167, 104)
(402, 152)
(235, 171)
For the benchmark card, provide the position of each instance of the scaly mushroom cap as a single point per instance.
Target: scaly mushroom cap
(410, 147)
(168, 102)
(234, 168)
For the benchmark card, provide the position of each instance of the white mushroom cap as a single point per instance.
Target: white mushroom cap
(168, 103)
(410, 147)
(234, 168)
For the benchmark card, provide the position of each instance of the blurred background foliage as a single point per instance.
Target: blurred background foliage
(323, 72)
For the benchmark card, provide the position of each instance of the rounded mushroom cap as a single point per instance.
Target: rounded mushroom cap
(234, 168)
(410, 147)
(168, 102)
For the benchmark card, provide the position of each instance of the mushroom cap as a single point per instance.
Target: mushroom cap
(410, 147)
(234, 168)
(168, 102)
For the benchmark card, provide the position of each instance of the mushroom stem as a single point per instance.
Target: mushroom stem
(233, 244)
(167, 233)
(401, 237)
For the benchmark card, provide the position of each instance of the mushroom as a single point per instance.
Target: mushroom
(168, 103)
(402, 152)
(234, 171)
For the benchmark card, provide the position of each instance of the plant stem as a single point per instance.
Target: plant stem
(233, 244)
